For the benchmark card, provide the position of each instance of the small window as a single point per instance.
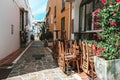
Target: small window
(54, 11)
(12, 29)
(54, 8)
(26, 17)
(63, 5)
(63, 28)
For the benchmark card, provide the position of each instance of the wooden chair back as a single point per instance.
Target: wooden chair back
(88, 62)
(70, 47)
(81, 53)
(61, 58)
(75, 48)
(89, 49)
(85, 65)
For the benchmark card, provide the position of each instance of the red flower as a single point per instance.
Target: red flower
(93, 22)
(110, 3)
(103, 49)
(97, 19)
(103, 1)
(99, 37)
(94, 51)
(117, 0)
(98, 50)
(112, 23)
(96, 11)
(94, 45)
(113, 12)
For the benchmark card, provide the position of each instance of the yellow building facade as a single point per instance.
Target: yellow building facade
(58, 18)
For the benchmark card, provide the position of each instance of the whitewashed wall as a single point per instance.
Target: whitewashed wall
(25, 4)
(30, 31)
(75, 14)
(29, 26)
(10, 15)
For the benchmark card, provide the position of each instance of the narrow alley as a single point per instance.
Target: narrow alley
(59, 39)
(37, 63)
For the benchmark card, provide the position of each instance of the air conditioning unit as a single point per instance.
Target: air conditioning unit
(69, 0)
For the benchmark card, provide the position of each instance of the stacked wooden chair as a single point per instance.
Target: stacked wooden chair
(81, 50)
(85, 59)
(81, 55)
(66, 56)
(88, 61)
(55, 49)
(61, 58)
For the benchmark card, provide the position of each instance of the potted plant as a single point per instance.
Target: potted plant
(107, 65)
(43, 31)
(46, 35)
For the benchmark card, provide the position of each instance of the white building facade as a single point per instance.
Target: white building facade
(15, 20)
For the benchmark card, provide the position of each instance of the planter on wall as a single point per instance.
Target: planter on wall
(107, 69)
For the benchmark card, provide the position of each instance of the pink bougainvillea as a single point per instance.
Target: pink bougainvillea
(112, 23)
(113, 12)
(103, 1)
(99, 37)
(117, 0)
(96, 11)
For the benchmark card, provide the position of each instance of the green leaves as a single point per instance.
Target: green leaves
(109, 19)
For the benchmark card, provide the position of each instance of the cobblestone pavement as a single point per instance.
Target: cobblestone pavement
(37, 63)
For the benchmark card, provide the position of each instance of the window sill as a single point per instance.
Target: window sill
(87, 32)
(91, 31)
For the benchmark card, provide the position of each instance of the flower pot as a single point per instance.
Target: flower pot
(107, 69)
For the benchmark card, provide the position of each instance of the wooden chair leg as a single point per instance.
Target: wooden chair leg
(73, 64)
(78, 66)
(92, 70)
(67, 68)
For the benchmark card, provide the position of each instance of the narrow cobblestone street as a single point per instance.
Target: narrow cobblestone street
(37, 63)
